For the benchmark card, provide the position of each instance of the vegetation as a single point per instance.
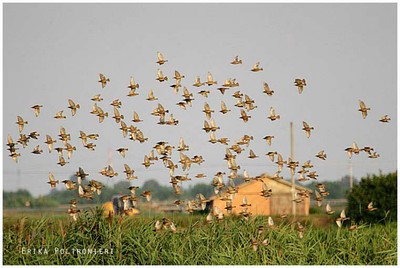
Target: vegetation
(133, 241)
(382, 191)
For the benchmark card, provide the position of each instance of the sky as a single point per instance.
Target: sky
(55, 52)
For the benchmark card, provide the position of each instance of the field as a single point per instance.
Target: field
(95, 239)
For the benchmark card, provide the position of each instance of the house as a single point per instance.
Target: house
(279, 203)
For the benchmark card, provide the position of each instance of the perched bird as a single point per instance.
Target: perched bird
(103, 80)
(160, 58)
(52, 181)
(307, 129)
(73, 106)
(36, 109)
(300, 83)
(256, 67)
(363, 109)
(267, 90)
(385, 119)
(236, 61)
(21, 123)
(321, 155)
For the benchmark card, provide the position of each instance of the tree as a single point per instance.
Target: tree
(379, 189)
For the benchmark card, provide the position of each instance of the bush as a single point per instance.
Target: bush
(382, 191)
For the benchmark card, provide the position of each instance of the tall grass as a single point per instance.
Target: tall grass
(134, 242)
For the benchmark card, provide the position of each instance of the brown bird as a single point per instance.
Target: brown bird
(244, 116)
(321, 155)
(97, 98)
(256, 67)
(70, 185)
(150, 96)
(59, 115)
(267, 90)
(103, 80)
(385, 119)
(122, 151)
(147, 195)
(329, 210)
(132, 84)
(21, 123)
(160, 58)
(210, 80)
(207, 110)
(49, 141)
(73, 106)
(129, 173)
(269, 139)
(37, 150)
(236, 61)
(197, 82)
(371, 207)
(160, 76)
(252, 155)
(307, 129)
(136, 118)
(363, 109)
(52, 181)
(339, 221)
(36, 109)
(61, 161)
(204, 93)
(272, 114)
(300, 83)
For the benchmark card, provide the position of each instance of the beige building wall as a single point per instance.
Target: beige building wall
(279, 203)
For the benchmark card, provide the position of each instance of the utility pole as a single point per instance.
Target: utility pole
(292, 175)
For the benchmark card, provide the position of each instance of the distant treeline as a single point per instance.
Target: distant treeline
(160, 192)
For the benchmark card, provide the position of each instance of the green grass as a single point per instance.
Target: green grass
(134, 242)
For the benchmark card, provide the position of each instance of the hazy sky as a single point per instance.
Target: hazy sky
(346, 52)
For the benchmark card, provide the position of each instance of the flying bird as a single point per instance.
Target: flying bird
(103, 80)
(363, 109)
(300, 83)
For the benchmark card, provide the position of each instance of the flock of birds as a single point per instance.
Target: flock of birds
(163, 150)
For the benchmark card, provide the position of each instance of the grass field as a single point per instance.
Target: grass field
(53, 239)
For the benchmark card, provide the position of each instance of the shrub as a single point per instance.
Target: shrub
(382, 191)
